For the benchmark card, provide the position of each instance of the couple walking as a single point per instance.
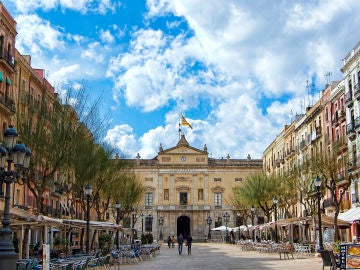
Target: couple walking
(181, 242)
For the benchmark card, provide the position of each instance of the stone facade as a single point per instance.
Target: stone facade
(184, 186)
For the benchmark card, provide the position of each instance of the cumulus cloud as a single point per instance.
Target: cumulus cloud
(84, 6)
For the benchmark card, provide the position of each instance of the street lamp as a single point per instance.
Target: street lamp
(20, 155)
(88, 191)
(133, 224)
(239, 221)
(208, 221)
(226, 217)
(275, 201)
(252, 210)
(161, 222)
(142, 223)
(317, 182)
(117, 205)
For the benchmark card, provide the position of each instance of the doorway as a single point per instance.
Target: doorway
(183, 226)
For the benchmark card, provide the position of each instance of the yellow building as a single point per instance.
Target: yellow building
(184, 186)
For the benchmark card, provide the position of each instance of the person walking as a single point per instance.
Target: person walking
(189, 241)
(169, 241)
(180, 240)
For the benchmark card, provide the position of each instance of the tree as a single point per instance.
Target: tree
(332, 168)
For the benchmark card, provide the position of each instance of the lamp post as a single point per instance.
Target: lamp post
(275, 201)
(161, 222)
(20, 155)
(252, 210)
(117, 205)
(226, 217)
(239, 221)
(208, 221)
(317, 182)
(132, 226)
(88, 191)
(142, 223)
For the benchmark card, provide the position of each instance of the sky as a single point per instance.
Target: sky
(238, 70)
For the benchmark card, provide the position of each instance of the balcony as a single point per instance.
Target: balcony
(7, 102)
(328, 203)
(348, 99)
(351, 131)
(9, 59)
(345, 205)
(357, 122)
(357, 91)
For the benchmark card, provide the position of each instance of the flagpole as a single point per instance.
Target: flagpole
(179, 129)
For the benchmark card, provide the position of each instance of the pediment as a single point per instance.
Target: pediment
(182, 150)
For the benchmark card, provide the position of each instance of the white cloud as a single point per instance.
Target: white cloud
(106, 36)
(84, 6)
(93, 52)
(36, 35)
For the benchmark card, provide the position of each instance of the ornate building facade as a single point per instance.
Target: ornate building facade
(184, 186)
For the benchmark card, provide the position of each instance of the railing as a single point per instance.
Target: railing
(7, 102)
(5, 54)
(348, 99)
(328, 203)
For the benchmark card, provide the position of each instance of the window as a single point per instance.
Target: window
(183, 198)
(166, 194)
(148, 199)
(238, 179)
(217, 199)
(200, 194)
(217, 179)
(17, 196)
(148, 223)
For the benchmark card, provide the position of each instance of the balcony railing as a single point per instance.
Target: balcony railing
(5, 54)
(7, 102)
(328, 203)
(357, 91)
(348, 99)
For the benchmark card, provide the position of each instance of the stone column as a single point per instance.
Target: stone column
(195, 199)
(160, 190)
(172, 191)
(206, 189)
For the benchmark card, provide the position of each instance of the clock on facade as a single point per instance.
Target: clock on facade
(183, 158)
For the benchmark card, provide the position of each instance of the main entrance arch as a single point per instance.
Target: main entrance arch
(183, 226)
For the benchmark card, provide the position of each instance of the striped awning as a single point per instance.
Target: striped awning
(351, 215)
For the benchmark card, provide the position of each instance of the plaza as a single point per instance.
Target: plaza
(223, 256)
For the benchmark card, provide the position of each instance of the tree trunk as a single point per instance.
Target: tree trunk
(25, 241)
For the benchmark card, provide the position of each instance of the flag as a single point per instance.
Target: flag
(184, 122)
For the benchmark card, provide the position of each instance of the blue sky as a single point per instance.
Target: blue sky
(236, 69)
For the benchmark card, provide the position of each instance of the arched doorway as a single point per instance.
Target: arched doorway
(183, 226)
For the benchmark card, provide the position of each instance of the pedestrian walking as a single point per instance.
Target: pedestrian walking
(169, 241)
(180, 243)
(189, 242)
(172, 241)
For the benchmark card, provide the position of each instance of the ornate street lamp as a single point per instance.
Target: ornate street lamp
(133, 213)
(226, 217)
(317, 182)
(208, 221)
(161, 222)
(88, 191)
(275, 201)
(239, 222)
(117, 205)
(142, 223)
(20, 155)
(252, 210)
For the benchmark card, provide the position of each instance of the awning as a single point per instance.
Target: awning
(8, 81)
(93, 224)
(21, 213)
(328, 222)
(53, 222)
(351, 215)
